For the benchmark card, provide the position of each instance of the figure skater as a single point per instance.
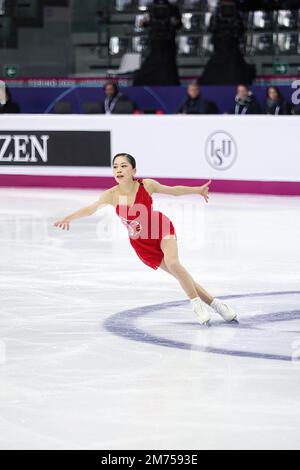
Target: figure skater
(151, 233)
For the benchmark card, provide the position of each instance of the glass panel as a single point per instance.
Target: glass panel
(287, 19)
(261, 20)
(288, 43)
(207, 47)
(123, 5)
(2, 7)
(195, 21)
(137, 23)
(192, 4)
(191, 21)
(261, 44)
(188, 45)
(118, 45)
(139, 44)
(142, 4)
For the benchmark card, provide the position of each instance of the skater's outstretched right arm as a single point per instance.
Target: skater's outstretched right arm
(104, 200)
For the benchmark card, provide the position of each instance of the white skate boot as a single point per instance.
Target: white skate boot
(201, 310)
(226, 312)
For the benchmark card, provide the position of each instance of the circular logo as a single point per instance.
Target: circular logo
(221, 150)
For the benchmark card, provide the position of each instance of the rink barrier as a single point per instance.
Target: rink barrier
(280, 188)
(240, 154)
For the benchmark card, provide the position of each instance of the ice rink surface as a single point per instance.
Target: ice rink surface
(98, 351)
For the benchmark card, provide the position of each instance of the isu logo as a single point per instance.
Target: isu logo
(23, 148)
(221, 150)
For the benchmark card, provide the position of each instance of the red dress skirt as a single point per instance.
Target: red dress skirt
(146, 227)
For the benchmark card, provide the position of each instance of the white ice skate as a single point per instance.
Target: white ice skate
(202, 311)
(226, 312)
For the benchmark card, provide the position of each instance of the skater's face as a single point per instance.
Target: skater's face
(193, 91)
(242, 92)
(123, 171)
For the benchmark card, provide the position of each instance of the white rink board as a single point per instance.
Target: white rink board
(265, 148)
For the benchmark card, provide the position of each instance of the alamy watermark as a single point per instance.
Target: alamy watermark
(142, 225)
(296, 93)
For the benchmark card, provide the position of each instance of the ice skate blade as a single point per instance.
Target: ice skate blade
(207, 324)
(235, 320)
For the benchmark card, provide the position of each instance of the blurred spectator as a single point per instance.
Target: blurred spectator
(245, 102)
(159, 67)
(227, 65)
(212, 108)
(115, 102)
(7, 106)
(194, 103)
(275, 102)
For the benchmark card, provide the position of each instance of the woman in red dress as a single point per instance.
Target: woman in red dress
(152, 235)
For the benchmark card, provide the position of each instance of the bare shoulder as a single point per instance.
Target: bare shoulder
(113, 190)
(113, 194)
(107, 197)
(150, 185)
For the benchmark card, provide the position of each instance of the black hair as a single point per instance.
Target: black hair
(244, 86)
(130, 159)
(195, 83)
(279, 94)
(114, 85)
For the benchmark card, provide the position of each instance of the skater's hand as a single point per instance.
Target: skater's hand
(204, 191)
(63, 224)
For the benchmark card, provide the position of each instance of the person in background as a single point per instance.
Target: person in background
(162, 20)
(245, 102)
(7, 106)
(194, 103)
(275, 103)
(115, 102)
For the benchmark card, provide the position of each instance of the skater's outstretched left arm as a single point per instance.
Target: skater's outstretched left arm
(154, 186)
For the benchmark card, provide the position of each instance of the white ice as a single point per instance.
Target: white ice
(75, 373)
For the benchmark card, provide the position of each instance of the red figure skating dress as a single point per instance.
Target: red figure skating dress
(146, 227)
